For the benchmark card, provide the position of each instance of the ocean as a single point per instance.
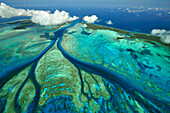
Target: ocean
(136, 19)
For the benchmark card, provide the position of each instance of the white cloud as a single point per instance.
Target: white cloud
(45, 18)
(166, 38)
(8, 12)
(164, 34)
(37, 16)
(158, 31)
(90, 19)
(157, 9)
(159, 14)
(109, 22)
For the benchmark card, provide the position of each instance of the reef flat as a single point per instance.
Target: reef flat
(134, 35)
(78, 67)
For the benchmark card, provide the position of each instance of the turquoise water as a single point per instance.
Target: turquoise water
(72, 68)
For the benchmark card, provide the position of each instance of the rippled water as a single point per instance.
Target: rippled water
(78, 68)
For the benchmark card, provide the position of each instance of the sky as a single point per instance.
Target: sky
(116, 3)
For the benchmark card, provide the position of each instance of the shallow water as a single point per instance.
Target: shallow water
(77, 69)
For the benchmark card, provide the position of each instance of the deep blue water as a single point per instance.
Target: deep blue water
(143, 21)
